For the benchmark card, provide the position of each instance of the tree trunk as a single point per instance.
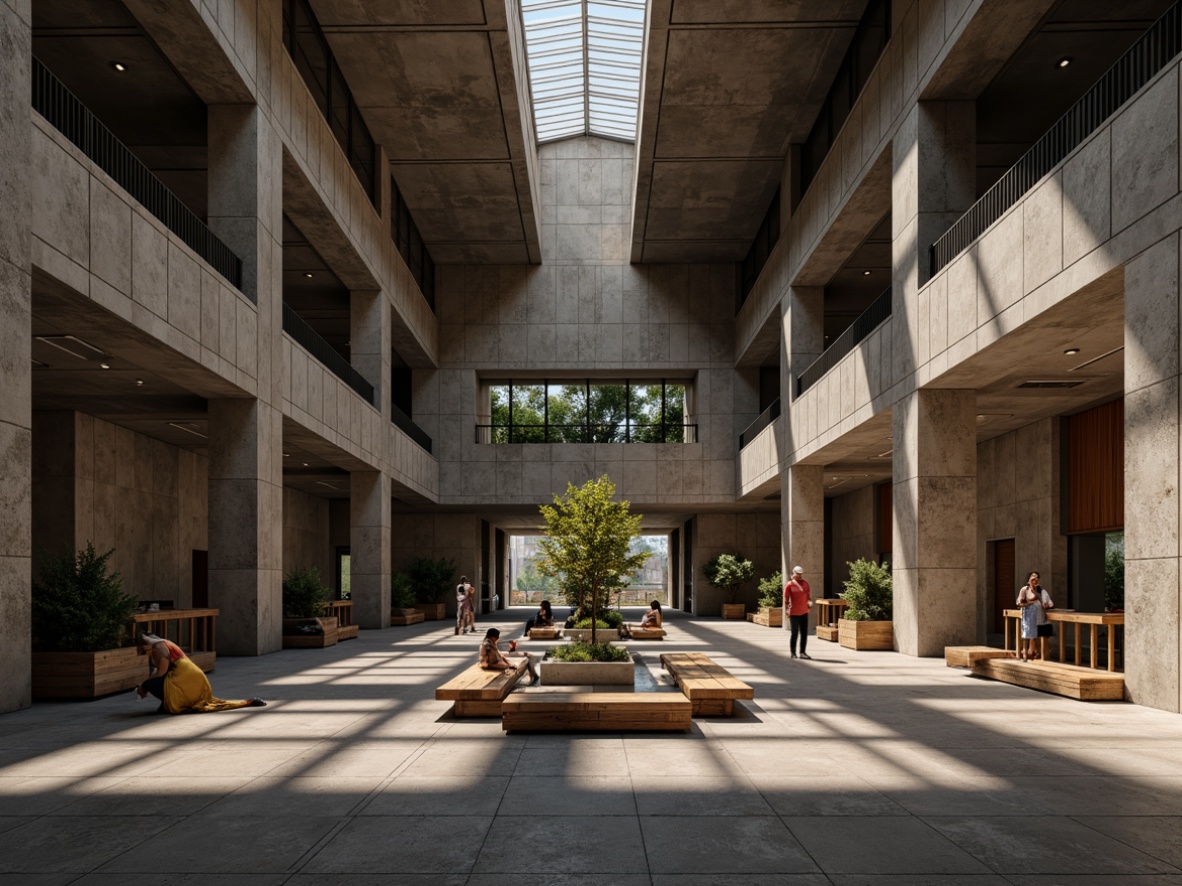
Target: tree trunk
(594, 612)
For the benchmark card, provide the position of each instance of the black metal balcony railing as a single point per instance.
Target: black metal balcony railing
(582, 433)
(308, 338)
(869, 320)
(403, 422)
(53, 101)
(766, 417)
(1145, 58)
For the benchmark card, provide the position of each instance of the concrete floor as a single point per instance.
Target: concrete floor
(854, 768)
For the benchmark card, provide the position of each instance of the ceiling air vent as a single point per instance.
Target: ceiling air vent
(1050, 383)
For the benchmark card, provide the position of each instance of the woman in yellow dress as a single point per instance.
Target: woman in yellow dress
(181, 686)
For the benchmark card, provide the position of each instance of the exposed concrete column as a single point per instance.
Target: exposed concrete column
(802, 525)
(935, 521)
(245, 525)
(1153, 643)
(370, 551)
(16, 394)
(802, 312)
(370, 343)
(934, 157)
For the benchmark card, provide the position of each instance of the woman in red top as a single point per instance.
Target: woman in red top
(797, 603)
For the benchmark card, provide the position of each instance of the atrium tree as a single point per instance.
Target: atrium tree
(587, 541)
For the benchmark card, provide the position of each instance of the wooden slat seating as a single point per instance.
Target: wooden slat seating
(965, 656)
(643, 634)
(551, 633)
(1072, 681)
(477, 692)
(596, 712)
(343, 610)
(406, 616)
(710, 688)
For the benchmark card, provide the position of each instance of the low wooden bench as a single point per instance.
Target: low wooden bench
(643, 634)
(1072, 681)
(596, 712)
(711, 689)
(405, 617)
(477, 692)
(549, 633)
(965, 656)
(343, 610)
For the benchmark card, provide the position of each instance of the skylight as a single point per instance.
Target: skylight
(584, 61)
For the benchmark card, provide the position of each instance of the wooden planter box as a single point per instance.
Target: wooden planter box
(405, 616)
(734, 610)
(770, 618)
(295, 638)
(432, 611)
(87, 674)
(865, 634)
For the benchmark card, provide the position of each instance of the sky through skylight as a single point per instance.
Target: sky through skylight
(584, 66)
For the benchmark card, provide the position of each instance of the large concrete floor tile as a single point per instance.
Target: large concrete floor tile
(559, 762)
(272, 795)
(9, 822)
(61, 843)
(40, 795)
(37, 879)
(378, 880)
(424, 844)
(1158, 836)
(576, 795)
(187, 880)
(438, 795)
(676, 759)
(722, 844)
(919, 880)
(740, 880)
(696, 795)
(226, 845)
(534, 845)
(465, 758)
(825, 794)
(331, 760)
(144, 796)
(881, 845)
(1106, 796)
(84, 760)
(1094, 880)
(223, 761)
(560, 879)
(1045, 845)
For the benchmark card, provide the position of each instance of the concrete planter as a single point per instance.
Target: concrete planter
(736, 611)
(865, 634)
(583, 635)
(432, 611)
(586, 673)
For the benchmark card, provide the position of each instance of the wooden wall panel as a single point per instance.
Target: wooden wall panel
(1096, 469)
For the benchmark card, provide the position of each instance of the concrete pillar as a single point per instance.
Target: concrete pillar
(933, 184)
(1153, 606)
(369, 343)
(803, 340)
(802, 525)
(934, 556)
(16, 422)
(245, 525)
(369, 547)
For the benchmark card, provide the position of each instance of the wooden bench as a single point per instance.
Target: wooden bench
(596, 712)
(343, 610)
(828, 611)
(548, 633)
(406, 616)
(643, 634)
(1084, 684)
(965, 656)
(710, 688)
(477, 692)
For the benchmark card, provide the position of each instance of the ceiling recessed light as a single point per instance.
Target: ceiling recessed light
(105, 365)
(140, 382)
(305, 464)
(119, 67)
(865, 273)
(287, 455)
(1071, 351)
(1064, 62)
(308, 274)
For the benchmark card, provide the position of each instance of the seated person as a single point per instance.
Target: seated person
(650, 621)
(492, 659)
(544, 618)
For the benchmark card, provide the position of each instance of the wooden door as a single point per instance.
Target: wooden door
(1005, 589)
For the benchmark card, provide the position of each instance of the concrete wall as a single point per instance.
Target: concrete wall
(585, 311)
(307, 540)
(96, 482)
(455, 536)
(754, 535)
(851, 536)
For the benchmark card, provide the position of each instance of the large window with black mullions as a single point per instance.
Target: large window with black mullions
(588, 411)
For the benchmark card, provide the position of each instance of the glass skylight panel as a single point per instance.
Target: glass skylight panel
(584, 60)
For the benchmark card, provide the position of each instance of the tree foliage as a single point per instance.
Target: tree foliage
(432, 578)
(728, 572)
(771, 591)
(304, 594)
(868, 591)
(530, 580)
(588, 413)
(587, 542)
(1114, 571)
(402, 590)
(78, 606)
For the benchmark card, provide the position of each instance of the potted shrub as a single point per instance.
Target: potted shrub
(728, 572)
(585, 664)
(866, 623)
(82, 642)
(771, 601)
(402, 600)
(304, 598)
(432, 579)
